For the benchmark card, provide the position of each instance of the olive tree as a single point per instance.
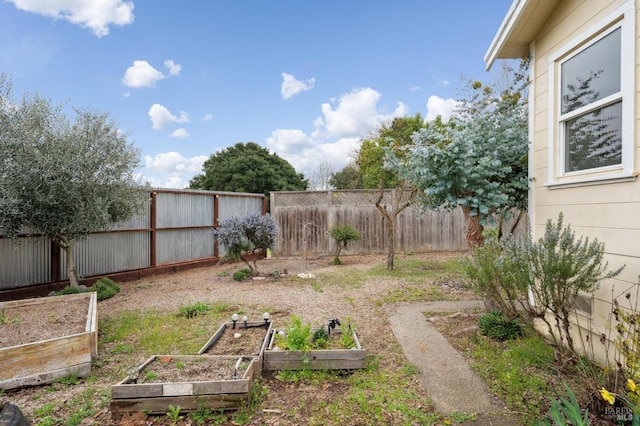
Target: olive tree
(63, 179)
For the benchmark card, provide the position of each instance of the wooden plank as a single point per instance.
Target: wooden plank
(142, 390)
(333, 359)
(80, 370)
(213, 339)
(186, 403)
(221, 387)
(177, 389)
(49, 355)
(92, 323)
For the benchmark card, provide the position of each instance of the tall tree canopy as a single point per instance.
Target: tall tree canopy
(479, 160)
(370, 159)
(347, 178)
(59, 179)
(248, 168)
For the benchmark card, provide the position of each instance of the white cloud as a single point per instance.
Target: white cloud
(207, 117)
(174, 69)
(94, 14)
(306, 154)
(355, 115)
(161, 117)
(143, 74)
(414, 88)
(437, 106)
(444, 83)
(180, 134)
(291, 87)
(177, 170)
(126, 94)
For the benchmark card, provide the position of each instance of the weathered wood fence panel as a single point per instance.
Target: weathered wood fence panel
(304, 219)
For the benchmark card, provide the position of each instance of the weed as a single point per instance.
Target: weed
(5, 319)
(180, 365)
(47, 421)
(45, 410)
(410, 370)
(222, 274)
(173, 413)
(316, 287)
(192, 311)
(150, 375)
(122, 348)
(69, 380)
(68, 290)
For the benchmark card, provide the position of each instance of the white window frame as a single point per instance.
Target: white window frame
(624, 19)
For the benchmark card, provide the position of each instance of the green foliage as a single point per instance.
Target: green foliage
(173, 413)
(192, 311)
(63, 179)
(248, 168)
(370, 158)
(343, 234)
(68, 290)
(347, 178)
(567, 411)
(495, 326)
(320, 338)
(242, 274)
(252, 232)
(494, 271)
(297, 336)
(478, 160)
(561, 266)
(105, 288)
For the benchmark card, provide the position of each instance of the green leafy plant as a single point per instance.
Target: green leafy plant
(150, 375)
(173, 413)
(320, 338)
(297, 336)
(495, 326)
(105, 288)
(68, 290)
(5, 319)
(242, 274)
(343, 234)
(192, 311)
(346, 336)
(567, 412)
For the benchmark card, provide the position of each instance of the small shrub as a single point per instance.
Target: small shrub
(242, 274)
(105, 288)
(192, 311)
(342, 234)
(495, 326)
(68, 290)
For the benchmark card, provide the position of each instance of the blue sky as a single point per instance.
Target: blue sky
(307, 80)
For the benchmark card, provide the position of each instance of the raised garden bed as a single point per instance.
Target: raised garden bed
(332, 358)
(191, 382)
(246, 341)
(49, 338)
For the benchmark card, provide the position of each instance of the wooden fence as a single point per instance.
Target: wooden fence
(305, 218)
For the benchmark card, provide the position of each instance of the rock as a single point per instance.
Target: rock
(237, 335)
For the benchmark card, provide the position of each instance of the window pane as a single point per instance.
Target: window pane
(592, 74)
(594, 139)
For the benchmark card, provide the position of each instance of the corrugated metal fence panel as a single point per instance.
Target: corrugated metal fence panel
(230, 205)
(138, 221)
(110, 252)
(176, 210)
(178, 245)
(24, 263)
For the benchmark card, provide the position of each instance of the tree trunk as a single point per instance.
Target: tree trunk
(473, 229)
(391, 248)
(71, 265)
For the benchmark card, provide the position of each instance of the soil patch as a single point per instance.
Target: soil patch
(173, 370)
(239, 341)
(36, 322)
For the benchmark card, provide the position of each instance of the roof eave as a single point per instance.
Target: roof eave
(501, 39)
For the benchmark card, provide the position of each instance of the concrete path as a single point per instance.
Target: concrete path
(452, 385)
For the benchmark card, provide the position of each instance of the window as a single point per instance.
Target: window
(592, 139)
(591, 106)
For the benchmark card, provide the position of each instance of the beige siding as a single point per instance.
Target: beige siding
(608, 212)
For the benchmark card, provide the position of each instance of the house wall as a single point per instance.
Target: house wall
(609, 212)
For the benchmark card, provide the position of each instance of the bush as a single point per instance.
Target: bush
(68, 290)
(342, 234)
(242, 274)
(105, 288)
(495, 326)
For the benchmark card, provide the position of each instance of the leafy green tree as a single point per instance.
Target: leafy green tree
(63, 180)
(248, 168)
(342, 234)
(347, 178)
(254, 232)
(478, 161)
(370, 159)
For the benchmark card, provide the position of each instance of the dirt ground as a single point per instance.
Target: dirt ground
(282, 297)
